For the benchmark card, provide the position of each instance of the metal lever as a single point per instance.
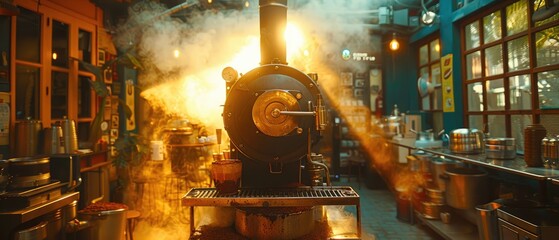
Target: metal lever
(319, 112)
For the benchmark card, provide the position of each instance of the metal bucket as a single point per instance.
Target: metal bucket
(105, 225)
(487, 222)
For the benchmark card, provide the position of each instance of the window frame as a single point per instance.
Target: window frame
(534, 112)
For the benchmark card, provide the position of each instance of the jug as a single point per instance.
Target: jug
(69, 134)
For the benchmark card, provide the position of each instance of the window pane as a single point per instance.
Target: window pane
(518, 54)
(493, 60)
(436, 73)
(492, 27)
(548, 89)
(424, 71)
(28, 36)
(423, 55)
(84, 46)
(518, 123)
(476, 121)
(475, 97)
(60, 35)
(84, 97)
(520, 96)
(59, 95)
(549, 121)
(435, 50)
(517, 18)
(27, 92)
(473, 65)
(539, 7)
(472, 35)
(496, 125)
(495, 95)
(82, 129)
(547, 47)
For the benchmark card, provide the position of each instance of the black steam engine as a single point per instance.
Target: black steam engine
(274, 115)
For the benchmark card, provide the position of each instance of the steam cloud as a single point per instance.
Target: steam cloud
(183, 60)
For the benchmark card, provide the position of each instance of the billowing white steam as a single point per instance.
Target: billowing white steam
(183, 60)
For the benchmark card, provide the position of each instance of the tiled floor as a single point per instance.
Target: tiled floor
(379, 216)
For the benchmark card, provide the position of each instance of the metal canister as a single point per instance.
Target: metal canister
(545, 152)
(553, 151)
(54, 140)
(533, 135)
(69, 135)
(28, 133)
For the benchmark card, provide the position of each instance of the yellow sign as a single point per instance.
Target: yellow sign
(447, 84)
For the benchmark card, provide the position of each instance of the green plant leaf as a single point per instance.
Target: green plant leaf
(95, 132)
(125, 108)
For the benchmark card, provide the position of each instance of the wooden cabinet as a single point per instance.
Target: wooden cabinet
(46, 84)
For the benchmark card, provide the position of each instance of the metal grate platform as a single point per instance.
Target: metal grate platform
(288, 197)
(301, 196)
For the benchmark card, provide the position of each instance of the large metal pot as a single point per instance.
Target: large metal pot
(466, 187)
(26, 172)
(274, 223)
(465, 140)
(438, 167)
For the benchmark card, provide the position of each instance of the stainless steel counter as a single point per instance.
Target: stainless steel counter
(12, 219)
(515, 166)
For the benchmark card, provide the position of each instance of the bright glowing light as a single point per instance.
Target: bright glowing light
(394, 45)
(54, 56)
(247, 4)
(438, 47)
(247, 57)
(294, 40)
(176, 53)
(306, 53)
(210, 1)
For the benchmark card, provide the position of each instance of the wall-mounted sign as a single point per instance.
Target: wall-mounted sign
(447, 84)
(357, 56)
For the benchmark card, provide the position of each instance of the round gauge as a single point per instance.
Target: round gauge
(229, 74)
(104, 125)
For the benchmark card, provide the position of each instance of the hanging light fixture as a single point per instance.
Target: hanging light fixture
(8, 8)
(394, 44)
(428, 16)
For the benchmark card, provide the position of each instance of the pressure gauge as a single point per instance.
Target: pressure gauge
(229, 74)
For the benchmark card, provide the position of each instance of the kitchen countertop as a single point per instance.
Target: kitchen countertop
(516, 166)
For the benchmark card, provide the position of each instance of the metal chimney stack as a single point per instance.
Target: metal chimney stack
(273, 19)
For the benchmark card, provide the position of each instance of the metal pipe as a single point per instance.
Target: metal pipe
(326, 171)
(297, 113)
